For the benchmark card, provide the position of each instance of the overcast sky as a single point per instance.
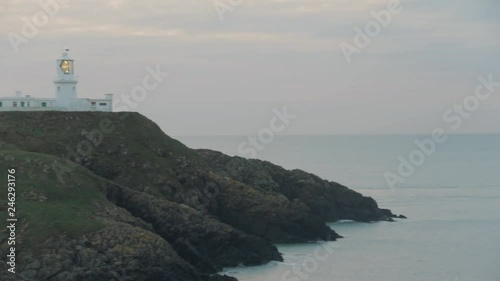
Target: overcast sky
(226, 76)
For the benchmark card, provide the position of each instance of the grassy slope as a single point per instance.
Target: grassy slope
(123, 155)
(137, 154)
(69, 208)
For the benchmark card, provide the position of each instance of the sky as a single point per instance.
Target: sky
(232, 64)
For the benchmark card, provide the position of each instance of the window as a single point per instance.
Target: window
(58, 88)
(22, 104)
(103, 104)
(44, 104)
(92, 103)
(1, 104)
(14, 104)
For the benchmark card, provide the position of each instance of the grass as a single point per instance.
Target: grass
(135, 152)
(69, 208)
(123, 154)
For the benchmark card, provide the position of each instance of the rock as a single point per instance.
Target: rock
(28, 274)
(329, 200)
(136, 255)
(34, 265)
(271, 216)
(143, 206)
(221, 278)
(200, 239)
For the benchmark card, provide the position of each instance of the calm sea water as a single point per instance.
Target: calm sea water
(452, 201)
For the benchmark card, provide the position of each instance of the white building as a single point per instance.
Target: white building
(66, 98)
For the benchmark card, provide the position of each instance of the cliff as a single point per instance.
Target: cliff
(109, 196)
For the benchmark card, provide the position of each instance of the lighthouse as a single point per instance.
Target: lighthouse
(66, 97)
(65, 82)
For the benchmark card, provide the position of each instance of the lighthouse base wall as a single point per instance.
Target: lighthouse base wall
(37, 104)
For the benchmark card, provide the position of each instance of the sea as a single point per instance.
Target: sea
(450, 192)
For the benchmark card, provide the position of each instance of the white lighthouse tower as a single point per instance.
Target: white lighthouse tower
(65, 82)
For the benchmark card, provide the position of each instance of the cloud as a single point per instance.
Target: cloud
(257, 21)
(264, 51)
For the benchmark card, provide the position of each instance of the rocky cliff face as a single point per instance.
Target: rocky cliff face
(328, 200)
(109, 196)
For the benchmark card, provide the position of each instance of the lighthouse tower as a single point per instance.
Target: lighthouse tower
(65, 82)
